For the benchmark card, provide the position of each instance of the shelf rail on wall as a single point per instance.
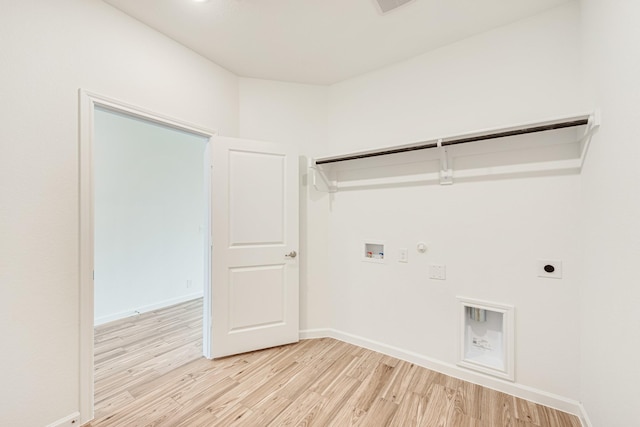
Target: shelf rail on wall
(591, 121)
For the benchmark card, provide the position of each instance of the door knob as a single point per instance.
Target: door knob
(291, 254)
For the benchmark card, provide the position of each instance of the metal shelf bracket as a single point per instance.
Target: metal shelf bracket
(593, 125)
(319, 179)
(446, 173)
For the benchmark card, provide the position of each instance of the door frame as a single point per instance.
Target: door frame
(88, 102)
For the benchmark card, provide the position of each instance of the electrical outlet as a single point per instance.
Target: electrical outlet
(438, 272)
(550, 269)
(189, 283)
(403, 255)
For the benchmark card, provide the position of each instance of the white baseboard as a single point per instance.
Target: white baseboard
(584, 417)
(72, 420)
(315, 333)
(524, 392)
(145, 309)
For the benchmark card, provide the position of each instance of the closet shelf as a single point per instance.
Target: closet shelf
(591, 121)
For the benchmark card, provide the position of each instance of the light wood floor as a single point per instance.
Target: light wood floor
(149, 372)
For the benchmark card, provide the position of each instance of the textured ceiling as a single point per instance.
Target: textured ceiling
(321, 41)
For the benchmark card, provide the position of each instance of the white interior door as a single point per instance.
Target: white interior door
(255, 239)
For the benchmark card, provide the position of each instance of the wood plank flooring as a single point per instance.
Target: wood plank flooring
(150, 372)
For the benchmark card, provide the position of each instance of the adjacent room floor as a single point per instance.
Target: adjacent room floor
(150, 372)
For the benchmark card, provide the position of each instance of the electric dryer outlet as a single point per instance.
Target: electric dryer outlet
(550, 269)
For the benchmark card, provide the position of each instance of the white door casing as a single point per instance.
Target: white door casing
(255, 270)
(88, 101)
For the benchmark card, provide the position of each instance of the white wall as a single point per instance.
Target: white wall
(489, 233)
(527, 71)
(49, 51)
(523, 72)
(296, 114)
(148, 213)
(610, 294)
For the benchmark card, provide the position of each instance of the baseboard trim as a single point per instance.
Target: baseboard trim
(306, 334)
(529, 393)
(584, 417)
(147, 308)
(68, 421)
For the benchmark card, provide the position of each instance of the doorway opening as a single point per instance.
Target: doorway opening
(145, 223)
(149, 204)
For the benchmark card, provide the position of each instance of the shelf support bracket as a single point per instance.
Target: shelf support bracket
(319, 179)
(446, 174)
(592, 126)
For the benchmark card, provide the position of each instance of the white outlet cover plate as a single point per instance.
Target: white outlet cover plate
(438, 272)
(557, 265)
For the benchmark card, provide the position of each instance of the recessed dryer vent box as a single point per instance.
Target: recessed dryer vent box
(486, 338)
(373, 251)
